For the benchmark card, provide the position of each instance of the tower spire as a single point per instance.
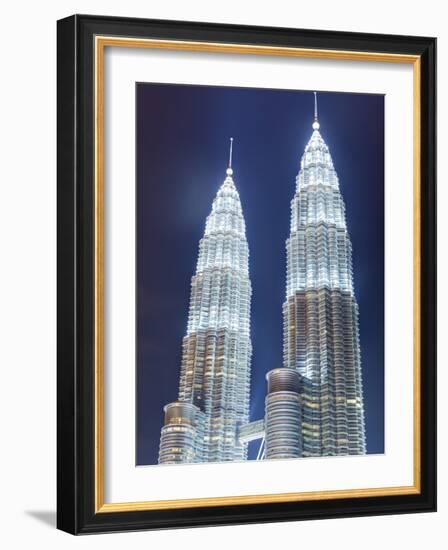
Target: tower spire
(229, 170)
(316, 124)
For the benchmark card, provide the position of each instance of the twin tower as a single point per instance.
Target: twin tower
(314, 402)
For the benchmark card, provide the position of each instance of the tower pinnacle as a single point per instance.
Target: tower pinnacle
(229, 170)
(316, 124)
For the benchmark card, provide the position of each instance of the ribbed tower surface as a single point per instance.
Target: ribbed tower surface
(215, 369)
(321, 333)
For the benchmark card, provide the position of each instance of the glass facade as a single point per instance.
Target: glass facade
(283, 437)
(215, 369)
(314, 403)
(320, 314)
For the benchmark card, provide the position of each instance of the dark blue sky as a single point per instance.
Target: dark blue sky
(182, 148)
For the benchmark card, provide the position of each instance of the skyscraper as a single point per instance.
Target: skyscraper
(213, 400)
(320, 314)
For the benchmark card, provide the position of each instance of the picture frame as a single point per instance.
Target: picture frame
(82, 203)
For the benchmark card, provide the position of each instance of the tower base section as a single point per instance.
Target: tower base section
(283, 415)
(181, 434)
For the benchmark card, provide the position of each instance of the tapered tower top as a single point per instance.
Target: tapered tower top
(316, 151)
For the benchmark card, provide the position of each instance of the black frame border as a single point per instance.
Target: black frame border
(75, 270)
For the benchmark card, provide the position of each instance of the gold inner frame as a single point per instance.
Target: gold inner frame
(101, 42)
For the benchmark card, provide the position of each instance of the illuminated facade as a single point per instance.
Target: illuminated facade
(283, 418)
(320, 314)
(213, 400)
(314, 403)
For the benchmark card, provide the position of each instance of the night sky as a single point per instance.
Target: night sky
(182, 149)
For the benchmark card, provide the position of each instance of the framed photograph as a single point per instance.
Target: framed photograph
(246, 274)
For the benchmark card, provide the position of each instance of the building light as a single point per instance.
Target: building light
(218, 335)
(320, 313)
